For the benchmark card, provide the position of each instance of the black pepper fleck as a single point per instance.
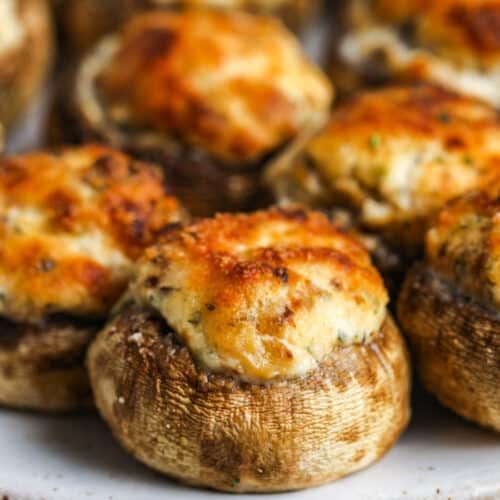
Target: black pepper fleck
(151, 282)
(47, 265)
(282, 274)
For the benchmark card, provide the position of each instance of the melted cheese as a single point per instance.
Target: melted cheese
(402, 61)
(264, 296)
(399, 154)
(233, 85)
(71, 225)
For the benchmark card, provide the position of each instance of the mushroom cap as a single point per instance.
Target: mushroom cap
(455, 339)
(449, 307)
(213, 430)
(42, 366)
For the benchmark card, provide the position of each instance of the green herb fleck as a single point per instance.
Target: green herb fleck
(342, 336)
(374, 141)
(444, 117)
(195, 318)
(235, 482)
(468, 160)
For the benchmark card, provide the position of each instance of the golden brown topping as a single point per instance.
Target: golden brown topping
(464, 243)
(452, 43)
(464, 30)
(71, 223)
(235, 85)
(266, 295)
(399, 154)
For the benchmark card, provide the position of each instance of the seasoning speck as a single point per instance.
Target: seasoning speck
(444, 117)
(195, 318)
(282, 274)
(374, 141)
(47, 265)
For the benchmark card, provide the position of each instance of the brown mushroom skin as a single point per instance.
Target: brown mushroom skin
(41, 367)
(456, 343)
(211, 430)
(23, 68)
(217, 188)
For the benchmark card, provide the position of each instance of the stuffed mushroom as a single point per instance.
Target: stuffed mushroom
(211, 96)
(72, 222)
(83, 22)
(450, 307)
(452, 43)
(25, 54)
(254, 353)
(394, 157)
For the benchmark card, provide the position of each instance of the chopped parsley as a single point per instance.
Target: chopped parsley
(374, 141)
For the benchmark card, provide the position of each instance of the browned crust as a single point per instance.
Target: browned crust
(123, 199)
(473, 24)
(41, 367)
(83, 22)
(203, 184)
(456, 342)
(212, 430)
(22, 70)
(461, 33)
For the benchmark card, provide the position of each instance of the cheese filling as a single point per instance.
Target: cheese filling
(268, 305)
(359, 47)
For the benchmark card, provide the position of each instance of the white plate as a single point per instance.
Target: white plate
(65, 458)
